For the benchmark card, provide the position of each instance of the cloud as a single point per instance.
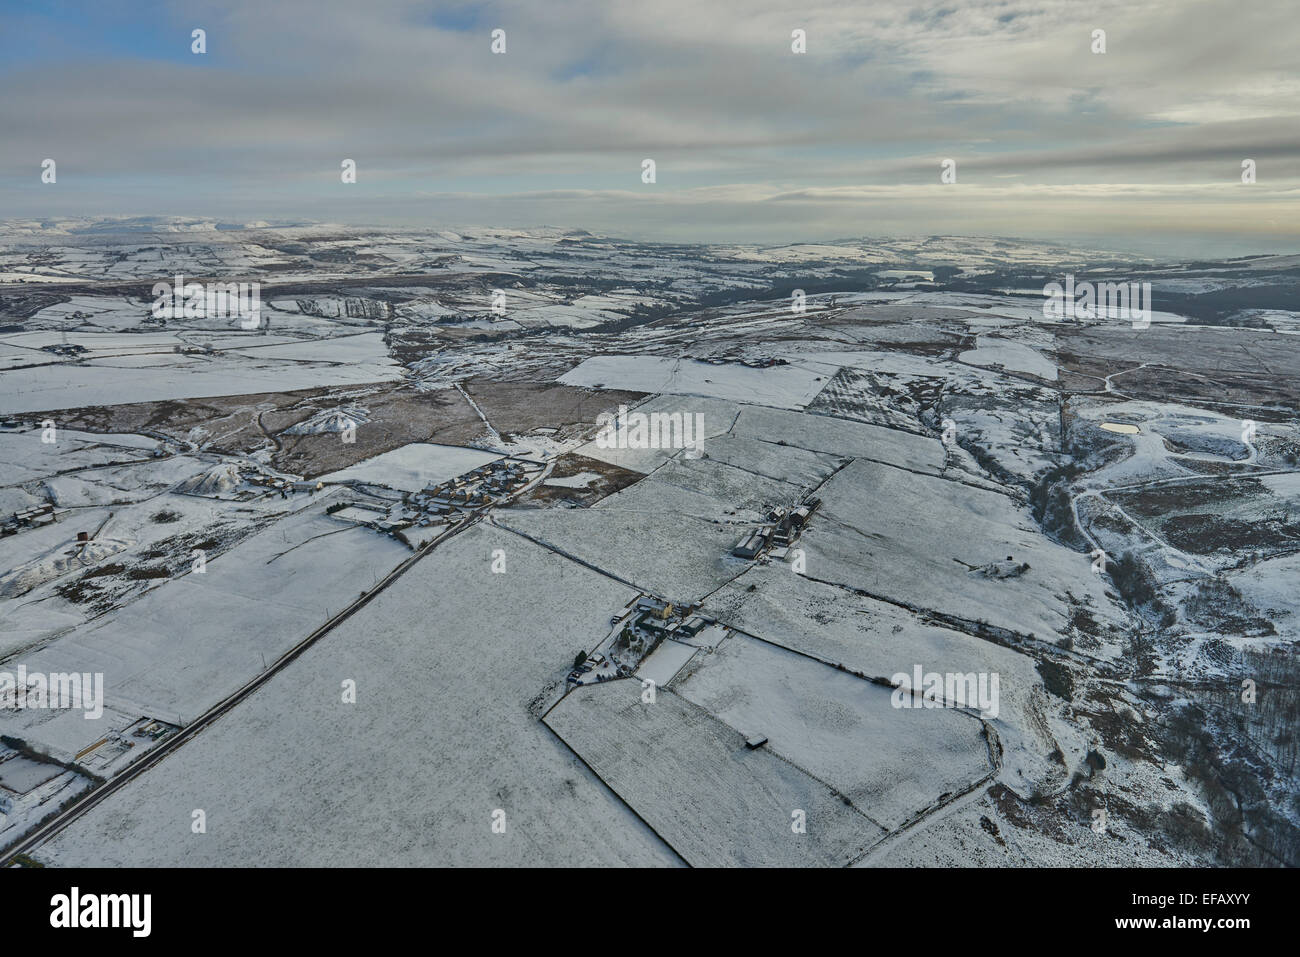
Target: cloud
(587, 89)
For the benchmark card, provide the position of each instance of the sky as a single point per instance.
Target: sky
(1140, 147)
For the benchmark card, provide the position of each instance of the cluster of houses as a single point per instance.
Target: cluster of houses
(448, 499)
(69, 350)
(34, 516)
(99, 755)
(654, 618)
(445, 502)
(778, 533)
(761, 362)
(476, 488)
(645, 624)
(275, 483)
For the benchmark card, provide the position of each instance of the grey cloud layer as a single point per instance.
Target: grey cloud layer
(558, 126)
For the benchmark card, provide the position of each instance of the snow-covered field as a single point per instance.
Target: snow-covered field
(692, 778)
(662, 664)
(786, 387)
(64, 386)
(919, 540)
(677, 556)
(25, 456)
(840, 437)
(879, 640)
(446, 663)
(413, 467)
(1009, 355)
(892, 763)
(182, 647)
(717, 417)
(160, 534)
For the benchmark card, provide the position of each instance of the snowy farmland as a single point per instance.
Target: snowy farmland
(413, 467)
(182, 647)
(672, 555)
(786, 387)
(890, 532)
(891, 763)
(919, 471)
(692, 778)
(446, 663)
(877, 640)
(172, 375)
